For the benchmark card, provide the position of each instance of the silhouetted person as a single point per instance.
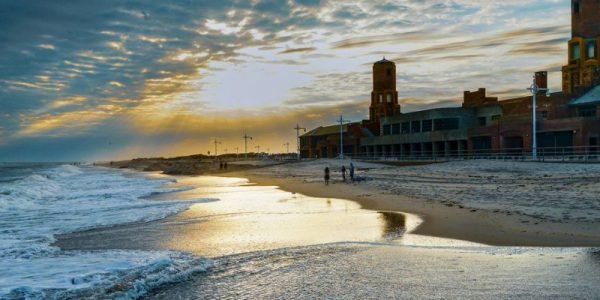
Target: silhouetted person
(225, 165)
(326, 175)
(220, 165)
(344, 173)
(351, 172)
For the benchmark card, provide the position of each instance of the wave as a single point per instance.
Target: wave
(132, 274)
(63, 199)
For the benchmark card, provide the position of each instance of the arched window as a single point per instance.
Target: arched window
(389, 98)
(380, 98)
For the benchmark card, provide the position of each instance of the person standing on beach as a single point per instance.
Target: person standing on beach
(351, 172)
(326, 175)
(344, 173)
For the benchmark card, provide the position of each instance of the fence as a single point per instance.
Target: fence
(582, 154)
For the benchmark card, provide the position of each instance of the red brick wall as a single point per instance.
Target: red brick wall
(478, 98)
(586, 22)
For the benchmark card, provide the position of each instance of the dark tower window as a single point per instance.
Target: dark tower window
(576, 7)
(389, 98)
(575, 52)
(590, 47)
(388, 72)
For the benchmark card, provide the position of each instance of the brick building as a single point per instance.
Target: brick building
(567, 120)
(324, 141)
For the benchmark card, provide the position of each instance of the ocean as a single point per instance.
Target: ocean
(40, 201)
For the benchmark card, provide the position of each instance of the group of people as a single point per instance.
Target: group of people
(327, 176)
(222, 165)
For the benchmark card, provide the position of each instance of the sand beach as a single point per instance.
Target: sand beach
(277, 231)
(490, 202)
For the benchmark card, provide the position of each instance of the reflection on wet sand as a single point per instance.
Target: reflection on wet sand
(394, 225)
(248, 218)
(253, 218)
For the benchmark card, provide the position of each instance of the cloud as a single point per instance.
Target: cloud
(77, 70)
(381, 39)
(298, 50)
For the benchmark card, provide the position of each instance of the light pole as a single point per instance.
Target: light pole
(246, 137)
(342, 121)
(236, 151)
(298, 128)
(216, 142)
(534, 89)
(257, 149)
(287, 145)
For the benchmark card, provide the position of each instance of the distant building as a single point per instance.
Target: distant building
(325, 141)
(483, 125)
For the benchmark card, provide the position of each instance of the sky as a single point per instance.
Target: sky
(115, 79)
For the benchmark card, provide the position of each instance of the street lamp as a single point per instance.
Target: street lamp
(216, 142)
(534, 89)
(287, 145)
(246, 137)
(298, 128)
(342, 121)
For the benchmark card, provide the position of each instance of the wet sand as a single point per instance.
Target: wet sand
(265, 242)
(441, 219)
(354, 271)
(246, 218)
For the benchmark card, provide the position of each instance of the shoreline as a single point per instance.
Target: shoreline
(442, 221)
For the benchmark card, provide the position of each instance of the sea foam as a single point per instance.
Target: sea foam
(63, 199)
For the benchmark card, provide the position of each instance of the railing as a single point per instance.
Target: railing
(583, 153)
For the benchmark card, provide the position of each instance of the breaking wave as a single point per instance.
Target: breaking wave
(61, 199)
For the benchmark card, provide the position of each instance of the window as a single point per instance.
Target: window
(426, 126)
(544, 114)
(576, 7)
(380, 98)
(405, 127)
(415, 126)
(482, 121)
(590, 47)
(445, 124)
(575, 51)
(396, 128)
(387, 129)
(388, 72)
(496, 117)
(389, 98)
(587, 111)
